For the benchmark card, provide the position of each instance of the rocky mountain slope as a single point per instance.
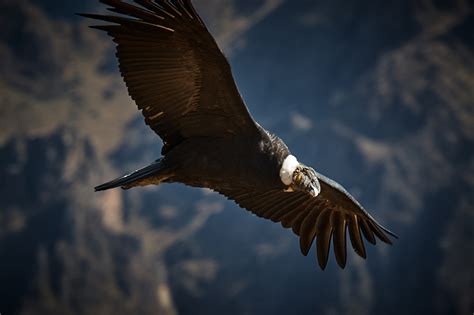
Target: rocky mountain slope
(379, 96)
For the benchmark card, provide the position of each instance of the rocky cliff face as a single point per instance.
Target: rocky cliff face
(378, 96)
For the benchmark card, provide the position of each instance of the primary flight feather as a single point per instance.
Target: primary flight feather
(183, 84)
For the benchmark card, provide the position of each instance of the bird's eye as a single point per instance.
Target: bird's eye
(299, 178)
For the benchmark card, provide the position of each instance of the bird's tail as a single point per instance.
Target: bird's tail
(134, 178)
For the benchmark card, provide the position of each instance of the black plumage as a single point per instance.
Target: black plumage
(183, 84)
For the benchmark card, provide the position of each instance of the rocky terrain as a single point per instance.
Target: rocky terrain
(377, 95)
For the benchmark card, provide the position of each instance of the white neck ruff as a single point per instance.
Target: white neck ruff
(287, 169)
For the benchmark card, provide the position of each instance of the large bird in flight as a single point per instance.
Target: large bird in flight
(183, 85)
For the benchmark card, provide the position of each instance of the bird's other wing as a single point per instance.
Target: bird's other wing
(328, 216)
(175, 71)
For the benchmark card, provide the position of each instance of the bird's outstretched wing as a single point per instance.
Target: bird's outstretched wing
(175, 71)
(329, 215)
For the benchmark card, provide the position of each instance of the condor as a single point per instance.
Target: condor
(183, 85)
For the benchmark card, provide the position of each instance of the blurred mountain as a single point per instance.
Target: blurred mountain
(377, 95)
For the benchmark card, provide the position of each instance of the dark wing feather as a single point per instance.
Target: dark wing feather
(175, 71)
(328, 216)
(308, 232)
(339, 237)
(324, 227)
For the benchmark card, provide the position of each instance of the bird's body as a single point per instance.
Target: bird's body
(250, 161)
(183, 84)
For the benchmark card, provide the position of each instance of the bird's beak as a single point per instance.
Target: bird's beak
(314, 191)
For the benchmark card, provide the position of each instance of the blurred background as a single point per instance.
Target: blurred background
(379, 95)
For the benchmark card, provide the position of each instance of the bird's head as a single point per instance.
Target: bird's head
(299, 177)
